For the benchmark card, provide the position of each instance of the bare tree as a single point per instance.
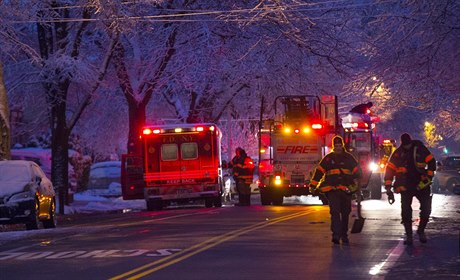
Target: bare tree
(5, 149)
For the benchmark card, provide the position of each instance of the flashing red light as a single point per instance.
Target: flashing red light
(199, 128)
(132, 187)
(296, 131)
(368, 111)
(147, 131)
(156, 131)
(317, 126)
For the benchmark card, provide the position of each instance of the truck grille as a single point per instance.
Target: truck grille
(297, 179)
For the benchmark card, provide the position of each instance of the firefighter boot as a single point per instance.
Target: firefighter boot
(421, 230)
(408, 228)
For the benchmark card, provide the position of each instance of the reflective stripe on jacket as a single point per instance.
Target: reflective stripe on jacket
(336, 172)
(406, 167)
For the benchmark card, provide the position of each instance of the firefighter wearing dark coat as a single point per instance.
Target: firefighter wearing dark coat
(409, 172)
(336, 176)
(243, 171)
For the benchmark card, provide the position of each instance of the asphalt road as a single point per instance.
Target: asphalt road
(257, 242)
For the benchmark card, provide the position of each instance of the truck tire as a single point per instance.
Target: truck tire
(154, 205)
(265, 197)
(218, 201)
(208, 202)
(277, 199)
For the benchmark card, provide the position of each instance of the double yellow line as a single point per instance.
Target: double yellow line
(203, 246)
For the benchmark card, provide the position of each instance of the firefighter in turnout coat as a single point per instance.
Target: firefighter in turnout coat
(409, 172)
(243, 172)
(337, 177)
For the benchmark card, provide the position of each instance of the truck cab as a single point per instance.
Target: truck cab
(292, 143)
(360, 140)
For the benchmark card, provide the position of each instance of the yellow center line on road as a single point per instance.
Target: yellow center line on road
(200, 247)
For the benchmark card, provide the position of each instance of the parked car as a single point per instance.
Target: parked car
(447, 174)
(105, 178)
(26, 195)
(42, 157)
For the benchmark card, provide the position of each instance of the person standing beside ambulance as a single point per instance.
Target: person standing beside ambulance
(243, 171)
(412, 168)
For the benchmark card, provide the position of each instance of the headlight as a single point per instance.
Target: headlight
(373, 166)
(278, 180)
(21, 196)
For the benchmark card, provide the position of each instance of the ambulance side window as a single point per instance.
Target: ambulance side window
(169, 152)
(189, 151)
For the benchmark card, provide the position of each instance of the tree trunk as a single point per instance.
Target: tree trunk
(136, 122)
(5, 149)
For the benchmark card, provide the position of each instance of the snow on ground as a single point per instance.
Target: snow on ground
(90, 202)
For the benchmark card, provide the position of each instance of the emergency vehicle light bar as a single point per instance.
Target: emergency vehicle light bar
(306, 129)
(148, 131)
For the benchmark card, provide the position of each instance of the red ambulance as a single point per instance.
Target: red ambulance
(179, 164)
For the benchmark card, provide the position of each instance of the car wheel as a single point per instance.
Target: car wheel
(451, 183)
(34, 219)
(51, 222)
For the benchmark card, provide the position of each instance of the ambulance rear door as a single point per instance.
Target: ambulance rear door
(132, 177)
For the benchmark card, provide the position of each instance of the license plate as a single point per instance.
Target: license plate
(182, 192)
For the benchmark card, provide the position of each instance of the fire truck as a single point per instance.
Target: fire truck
(361, 140)
(385, 148)
(179, 164)
(291, 144)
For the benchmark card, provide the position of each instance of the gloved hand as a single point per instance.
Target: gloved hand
(424, 182)
(311, 189)
(391, 197)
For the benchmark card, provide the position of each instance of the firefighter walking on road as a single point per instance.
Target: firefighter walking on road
(412, 167)
(336, 176)
(243, 172)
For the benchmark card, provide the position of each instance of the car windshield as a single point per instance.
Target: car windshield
(10, 173)
(452, 162)
(110, 171)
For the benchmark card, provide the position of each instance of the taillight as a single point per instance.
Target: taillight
(317, 126)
